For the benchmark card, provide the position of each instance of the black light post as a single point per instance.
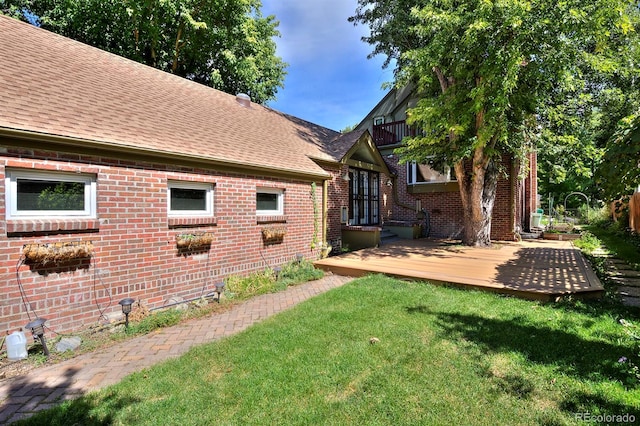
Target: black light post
(126, 309)
(37, 329)
(277, 271)
(219, 289)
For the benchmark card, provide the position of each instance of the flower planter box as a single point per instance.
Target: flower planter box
(273, 235)
(52, 253)
(560, 236)
(193, 240)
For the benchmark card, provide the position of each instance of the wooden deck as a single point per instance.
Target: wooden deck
(535, 269)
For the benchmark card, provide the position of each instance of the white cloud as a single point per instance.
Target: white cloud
(330, 81)
(316, 29)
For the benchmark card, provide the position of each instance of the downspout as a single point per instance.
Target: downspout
(515, 172)
(325, 212)
(396, 197)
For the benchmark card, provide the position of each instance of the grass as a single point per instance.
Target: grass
(442, 356)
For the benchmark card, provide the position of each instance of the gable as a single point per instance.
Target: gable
(364, 155)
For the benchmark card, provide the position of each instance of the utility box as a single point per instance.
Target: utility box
(535, 220)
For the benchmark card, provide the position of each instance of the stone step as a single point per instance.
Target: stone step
(629, 282)
(626, 291)
(631, 301)
(625, 273)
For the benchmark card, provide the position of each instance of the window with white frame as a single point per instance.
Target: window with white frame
(190, 198)
(42, 194)
(269, 202)
(424, 173)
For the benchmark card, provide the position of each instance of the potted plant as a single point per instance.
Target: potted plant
(47, 253)
(273, 234)
(187, 241)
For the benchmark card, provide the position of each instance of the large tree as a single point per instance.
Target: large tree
(487, 72)
(225, 44)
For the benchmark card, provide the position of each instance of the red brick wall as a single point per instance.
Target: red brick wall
(445, 208)
(134, 241)
(338, 190)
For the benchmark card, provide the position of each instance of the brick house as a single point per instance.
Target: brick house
(102, 155)
(418, 187)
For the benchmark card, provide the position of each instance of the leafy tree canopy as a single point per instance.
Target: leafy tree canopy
(225, 44)
(621, 176)
(494, 75)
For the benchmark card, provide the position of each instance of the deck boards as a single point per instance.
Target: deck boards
(536, 269)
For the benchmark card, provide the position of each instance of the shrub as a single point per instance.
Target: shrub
(160, 319)
(587, 242)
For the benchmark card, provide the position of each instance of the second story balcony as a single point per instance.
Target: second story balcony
(392, 133)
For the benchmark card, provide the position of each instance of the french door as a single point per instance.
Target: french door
(364, 197)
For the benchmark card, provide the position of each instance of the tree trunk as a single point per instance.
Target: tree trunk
(477, 180)
(478, 194)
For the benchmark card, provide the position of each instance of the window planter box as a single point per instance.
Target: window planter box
(52, 253)
(193, 240)
(273, 235)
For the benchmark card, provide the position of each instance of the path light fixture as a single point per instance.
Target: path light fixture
(219, 289)
(126, 309)
(277, 271)
(37, 329)
(299, 258)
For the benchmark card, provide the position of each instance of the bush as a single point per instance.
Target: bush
(160, 319)
(252, 285)
(587, 242)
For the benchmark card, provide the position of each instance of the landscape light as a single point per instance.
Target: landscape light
(37, 329)
(219, 289)
(126, 309)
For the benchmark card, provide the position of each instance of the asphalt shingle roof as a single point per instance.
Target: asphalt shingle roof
(52, 85)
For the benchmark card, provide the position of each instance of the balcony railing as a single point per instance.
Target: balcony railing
(392, 133)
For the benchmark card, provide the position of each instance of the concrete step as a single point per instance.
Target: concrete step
(387, 237)
(631, 301)
(626, 291)
(629, 282)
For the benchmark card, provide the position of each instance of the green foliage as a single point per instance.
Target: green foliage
(298, 272)
(316, 216)
(63, 196)
(619, 241)
(257, 283)
(160, 319)
(620, 174)
(587, 242)
(227, 44)
(266, 281)
(495, 78)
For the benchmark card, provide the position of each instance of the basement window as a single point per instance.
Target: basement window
(269, 202)
(42, 194)
(190, 199)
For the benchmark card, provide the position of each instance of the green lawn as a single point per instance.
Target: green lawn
(444, 357)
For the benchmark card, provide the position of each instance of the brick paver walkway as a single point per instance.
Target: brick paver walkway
(45, 387)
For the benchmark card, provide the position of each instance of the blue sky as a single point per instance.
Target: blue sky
(330, 81)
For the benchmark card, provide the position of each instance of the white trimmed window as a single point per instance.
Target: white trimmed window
(269, 202)
(423, 173)
(43, 194)
(189, 198)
